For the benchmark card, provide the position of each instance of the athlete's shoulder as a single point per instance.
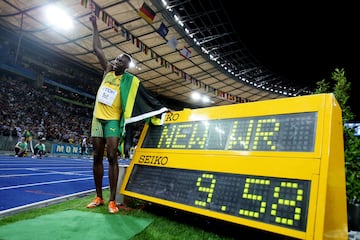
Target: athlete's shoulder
(127, 74)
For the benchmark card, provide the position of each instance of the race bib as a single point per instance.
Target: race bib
(107, 96)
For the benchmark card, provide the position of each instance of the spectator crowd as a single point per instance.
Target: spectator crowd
(47, 95)
(24, 107)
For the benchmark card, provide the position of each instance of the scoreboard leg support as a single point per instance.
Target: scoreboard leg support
(119, 197)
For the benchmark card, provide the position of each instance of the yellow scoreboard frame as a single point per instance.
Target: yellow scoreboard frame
(275, 165)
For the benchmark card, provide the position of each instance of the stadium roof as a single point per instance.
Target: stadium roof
(200, 51)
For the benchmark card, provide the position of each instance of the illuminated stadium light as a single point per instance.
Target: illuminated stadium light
(132, 65)
(205, 99)
(165, 4)
(195, 96)
(200, 97)
(58, 18)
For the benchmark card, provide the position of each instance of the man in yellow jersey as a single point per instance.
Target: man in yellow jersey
(28, 138)
(112, 111)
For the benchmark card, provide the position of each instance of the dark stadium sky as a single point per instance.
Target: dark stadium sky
(304, 42)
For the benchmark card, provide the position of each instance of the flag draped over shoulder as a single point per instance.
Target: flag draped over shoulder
(137, 103)
(147, 13)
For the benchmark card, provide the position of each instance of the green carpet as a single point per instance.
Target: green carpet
(77, 225)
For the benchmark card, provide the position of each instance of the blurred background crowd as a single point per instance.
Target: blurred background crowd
(46, 94)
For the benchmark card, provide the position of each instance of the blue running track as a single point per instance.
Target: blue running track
(26, 182)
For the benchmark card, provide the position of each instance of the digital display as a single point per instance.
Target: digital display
(288, 132)
(275, 165)
(277, 201)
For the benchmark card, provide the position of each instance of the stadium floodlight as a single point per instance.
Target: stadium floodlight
(195, 96)
(58, 17)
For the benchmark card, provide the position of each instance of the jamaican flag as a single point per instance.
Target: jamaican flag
(138, 104)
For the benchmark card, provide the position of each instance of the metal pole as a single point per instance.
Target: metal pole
(20, 37)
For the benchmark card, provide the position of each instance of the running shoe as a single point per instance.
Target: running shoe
(112, 207)
(95, 203)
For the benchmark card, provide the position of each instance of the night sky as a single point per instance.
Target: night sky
(303, 42)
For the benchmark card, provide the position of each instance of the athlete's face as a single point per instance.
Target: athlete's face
(121, 62)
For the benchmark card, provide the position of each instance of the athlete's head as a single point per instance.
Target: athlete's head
(121, 62)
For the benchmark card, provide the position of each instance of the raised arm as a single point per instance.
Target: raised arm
(97, 46)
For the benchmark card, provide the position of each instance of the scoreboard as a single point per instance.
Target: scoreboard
(275, 165)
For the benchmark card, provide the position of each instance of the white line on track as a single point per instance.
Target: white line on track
(85, 173)
(46, 183)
